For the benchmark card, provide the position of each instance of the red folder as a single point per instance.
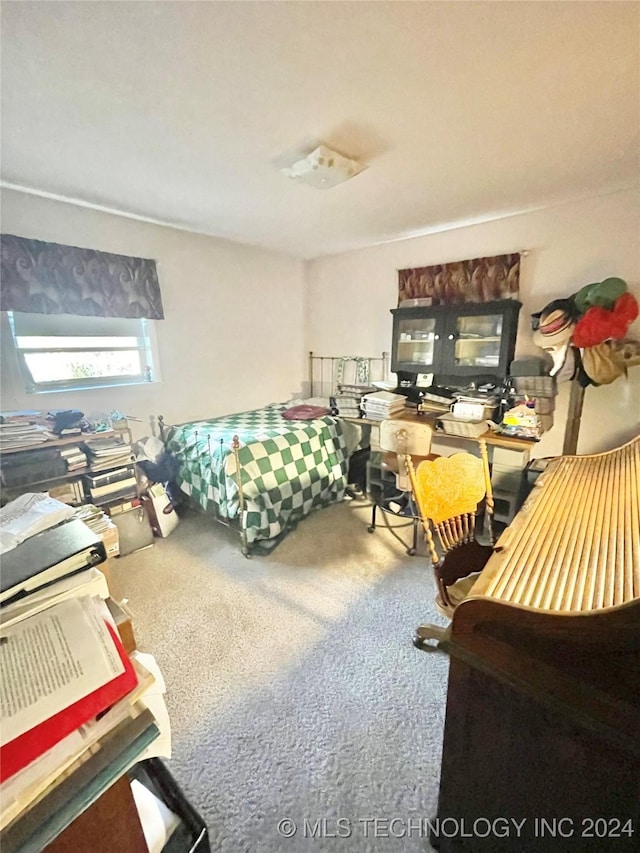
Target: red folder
(28, 746)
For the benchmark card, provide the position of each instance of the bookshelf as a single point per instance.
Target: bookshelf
(79, 438)
(46, 465)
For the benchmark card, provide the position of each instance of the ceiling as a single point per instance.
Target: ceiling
(182, 112)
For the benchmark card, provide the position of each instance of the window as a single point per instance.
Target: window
(64, 351)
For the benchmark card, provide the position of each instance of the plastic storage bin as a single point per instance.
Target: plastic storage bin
(191, 835)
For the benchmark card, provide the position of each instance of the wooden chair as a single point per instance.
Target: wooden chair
(447, 492)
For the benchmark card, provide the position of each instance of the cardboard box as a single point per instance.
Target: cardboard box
(111, 540)
(122, 618)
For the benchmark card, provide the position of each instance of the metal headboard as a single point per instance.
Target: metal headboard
(327, 372)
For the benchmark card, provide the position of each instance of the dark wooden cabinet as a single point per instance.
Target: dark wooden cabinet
(473, 341)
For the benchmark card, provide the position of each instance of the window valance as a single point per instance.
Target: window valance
(49, 278)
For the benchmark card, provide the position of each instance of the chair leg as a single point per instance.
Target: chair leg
(424, 633)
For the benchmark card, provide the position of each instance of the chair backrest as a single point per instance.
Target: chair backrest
(403, 437)
(447, 491)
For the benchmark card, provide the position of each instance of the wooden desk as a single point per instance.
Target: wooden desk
(543, 703)
(491, 438)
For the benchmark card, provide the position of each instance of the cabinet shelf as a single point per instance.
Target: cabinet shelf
(456, 343)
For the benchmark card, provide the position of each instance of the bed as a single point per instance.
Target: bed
(259, 472)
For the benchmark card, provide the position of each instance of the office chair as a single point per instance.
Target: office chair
(447, 492)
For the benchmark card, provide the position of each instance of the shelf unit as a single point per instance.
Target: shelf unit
(9, 456)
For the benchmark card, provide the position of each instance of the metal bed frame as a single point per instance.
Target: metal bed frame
(324, 372)
(328, 372)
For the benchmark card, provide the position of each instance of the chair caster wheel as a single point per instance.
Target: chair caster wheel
(418, 642)
(370, 529)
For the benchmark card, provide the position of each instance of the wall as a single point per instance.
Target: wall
(349, 295)
(233, 335)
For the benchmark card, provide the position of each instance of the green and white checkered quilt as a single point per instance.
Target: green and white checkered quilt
(288, 467)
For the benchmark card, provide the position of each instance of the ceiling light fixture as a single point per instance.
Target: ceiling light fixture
(323, 168)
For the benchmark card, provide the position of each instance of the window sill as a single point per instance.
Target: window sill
(71, 389)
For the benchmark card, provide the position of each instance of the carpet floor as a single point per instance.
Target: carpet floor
(294, 690)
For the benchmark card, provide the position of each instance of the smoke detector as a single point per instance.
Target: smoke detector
(323, 168)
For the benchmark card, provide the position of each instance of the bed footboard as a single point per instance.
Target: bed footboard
(238, 525)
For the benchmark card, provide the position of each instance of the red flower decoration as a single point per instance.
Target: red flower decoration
(598, 325)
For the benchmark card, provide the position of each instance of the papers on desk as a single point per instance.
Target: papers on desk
(383, 404)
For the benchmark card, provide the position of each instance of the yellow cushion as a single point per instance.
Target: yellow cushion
(449, 486)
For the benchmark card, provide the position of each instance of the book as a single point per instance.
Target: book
(39, 778)
(70, 638)
(108, 463)
(117, 751)
(106, 446)
(24, 416)
(116, 475)
(48, 556)
(111, 488)
(125, 506)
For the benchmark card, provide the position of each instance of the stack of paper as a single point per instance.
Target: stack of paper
(382, 405)
(76, 709)
(349, 399)
(27, 515)
(105, 453)
(13, 436)
(93, 517)
(114, 485)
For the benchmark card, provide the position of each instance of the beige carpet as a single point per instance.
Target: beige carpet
(294, 689)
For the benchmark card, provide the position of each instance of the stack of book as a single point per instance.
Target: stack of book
(114, 485)
(349, 399)
(382, 405)
(95, 519)
(106, 453)
(100, 523)
(61, 747)
(74, 457)
(21, 429)
(69, 493)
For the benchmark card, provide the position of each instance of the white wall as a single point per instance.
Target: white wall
(349, 295)
(233, 335)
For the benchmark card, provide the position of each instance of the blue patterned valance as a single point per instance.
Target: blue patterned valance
(48, 278)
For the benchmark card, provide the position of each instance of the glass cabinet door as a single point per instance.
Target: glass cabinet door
(415, 342)
(477, 341)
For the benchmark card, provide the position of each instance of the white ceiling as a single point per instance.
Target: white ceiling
(181, 111)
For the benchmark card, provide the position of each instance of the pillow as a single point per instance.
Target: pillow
(305, 412)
